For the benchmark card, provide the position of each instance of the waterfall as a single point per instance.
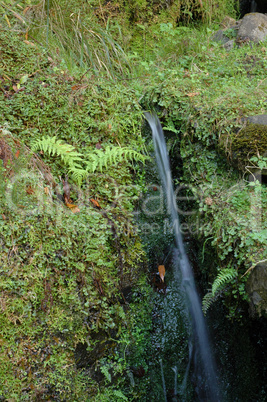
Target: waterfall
(192, 302)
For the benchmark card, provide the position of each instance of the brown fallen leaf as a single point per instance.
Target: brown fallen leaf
(161, 270)
(17, 154)
(191, 94)
(29, 43)
(74, 208)
(75, 87)
(26, 9)
(95, 203)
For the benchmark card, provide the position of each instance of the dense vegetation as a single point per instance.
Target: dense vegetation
(75, 78)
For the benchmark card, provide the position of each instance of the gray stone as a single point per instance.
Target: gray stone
(259, 119)
(257, 289)
(253, 27)
(229, 45)
(219, 36)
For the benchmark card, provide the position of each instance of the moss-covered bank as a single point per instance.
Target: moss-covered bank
(75, 305)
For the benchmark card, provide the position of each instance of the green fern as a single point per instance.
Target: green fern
(98, 159)
(69, 156)
(95, 160)
(104, 370)
(223, 278)
(119, 395)
(207, 301)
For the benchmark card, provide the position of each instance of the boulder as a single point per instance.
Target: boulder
(259, 119)
(250, 140)
(253, 27)
(257, 290)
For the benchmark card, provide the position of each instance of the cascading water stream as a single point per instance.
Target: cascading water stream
(201, 341)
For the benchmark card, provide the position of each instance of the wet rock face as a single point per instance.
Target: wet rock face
(248, 6)
(257, 290)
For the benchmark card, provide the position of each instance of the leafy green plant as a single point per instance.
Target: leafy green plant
(70, 157)
(97, 159)
(259, 161)
(224, 277)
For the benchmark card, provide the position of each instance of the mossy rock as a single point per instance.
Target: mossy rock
(249, 141)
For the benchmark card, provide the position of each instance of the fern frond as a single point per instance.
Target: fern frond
(96, 159)
(207, 301)
(223, 278)
(111, 156)
(69, 156)
(53, 146)
(104, 370)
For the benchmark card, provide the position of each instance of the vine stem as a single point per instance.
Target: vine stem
(253, 266)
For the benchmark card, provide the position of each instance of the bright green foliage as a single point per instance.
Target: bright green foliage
(71, 158)
(95, 160)
(111, 156)
(223, 278)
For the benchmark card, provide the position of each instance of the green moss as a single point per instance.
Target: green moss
(62, 272)
(248, 142)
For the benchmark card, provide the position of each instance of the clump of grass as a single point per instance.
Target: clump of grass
(80, 44)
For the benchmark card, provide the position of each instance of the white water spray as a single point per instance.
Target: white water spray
(201, 341)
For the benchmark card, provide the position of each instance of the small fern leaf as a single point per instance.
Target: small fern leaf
(69, 156)
(225, 276)
(120, 395)
(98, 159)
(207, 301)
(106, 373)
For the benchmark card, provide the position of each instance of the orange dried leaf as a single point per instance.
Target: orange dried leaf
(161, 270)
(75, 87)
(191, 94)
(75, 210)
(46, 190)
(73, 207)
(26, 9)
(29, 43)
(95, 203)
(17, 154)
